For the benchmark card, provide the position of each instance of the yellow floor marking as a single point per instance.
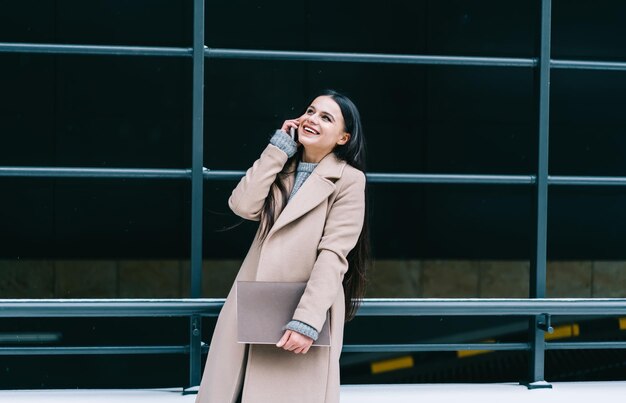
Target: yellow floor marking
(563, 332)
(392, 365)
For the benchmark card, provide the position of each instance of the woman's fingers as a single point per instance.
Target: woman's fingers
(283, 339)
(287, 341)
(288, 124)
(304, 346)
(297, 343)
(294, 341)
(290, 346)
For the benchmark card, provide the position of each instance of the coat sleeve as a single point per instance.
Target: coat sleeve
(249, 196)
(341, 233)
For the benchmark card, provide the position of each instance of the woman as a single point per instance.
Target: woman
(309, 196)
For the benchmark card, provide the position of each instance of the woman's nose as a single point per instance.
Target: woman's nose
(312, 118)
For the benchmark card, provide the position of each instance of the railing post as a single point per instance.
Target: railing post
(538, 262)
(195, 353)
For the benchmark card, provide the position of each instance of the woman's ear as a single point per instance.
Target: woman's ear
(344, 139)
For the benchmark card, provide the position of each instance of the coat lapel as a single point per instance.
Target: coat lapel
(318, 186)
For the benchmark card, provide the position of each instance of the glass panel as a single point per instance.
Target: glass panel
(93, 239)
(588, 30)
(227, 238)
(417, 27)
(398, 278)
(427, 240)
(450, 222)
(415, 118)
(585, 242)
(95, 111)
(449, 241)
(587, 123)
(98, 22)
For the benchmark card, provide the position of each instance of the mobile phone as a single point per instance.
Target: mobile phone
(294, 136)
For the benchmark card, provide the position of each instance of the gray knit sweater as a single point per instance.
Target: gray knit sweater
(284, 141)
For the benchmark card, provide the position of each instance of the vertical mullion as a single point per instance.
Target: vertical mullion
(197, 183)
(197, 149)
(538, 263)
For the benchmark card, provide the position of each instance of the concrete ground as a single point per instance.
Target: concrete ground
(570, 392)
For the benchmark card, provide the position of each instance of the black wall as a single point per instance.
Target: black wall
(105, 111)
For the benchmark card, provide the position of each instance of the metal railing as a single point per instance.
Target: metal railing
(196, 308)
(539, 180)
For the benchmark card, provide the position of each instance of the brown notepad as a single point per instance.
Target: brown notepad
(264, 308)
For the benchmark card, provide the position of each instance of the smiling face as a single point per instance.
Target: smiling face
(321, 128)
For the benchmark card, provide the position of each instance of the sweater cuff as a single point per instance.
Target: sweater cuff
(302, 328)
(283, 141)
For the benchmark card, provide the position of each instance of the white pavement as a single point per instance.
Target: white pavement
(566, 392)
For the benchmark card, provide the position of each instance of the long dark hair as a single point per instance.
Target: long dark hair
(353, 152)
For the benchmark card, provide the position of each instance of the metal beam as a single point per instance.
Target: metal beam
(108, 307)
(588, 65)
(372, 177)
(450, 179)
(252, 54)
(197, 186)
(587, 345)
(61, 172)
(98, 350)
(94, 50)
(370, 307)
(491, 307)
(195, 350)
(538, 261)
(587, 180)
(197, 149)
(375, 177)
(537, 288)
(394, 348)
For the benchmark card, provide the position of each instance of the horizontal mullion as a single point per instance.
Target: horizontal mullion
(454, 178)
(595, 345)
(348, 348)
(492, 307)
(406, 178)
(385, 348)
(252, 54)
(59, 172)
(109, 307)
(94, 350)
(587, 65)
(223, 175)
(93, 49)
(370, 307)
(451, 178)
(587, 180)
(373, 177)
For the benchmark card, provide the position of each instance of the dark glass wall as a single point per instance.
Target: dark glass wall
(131, 238)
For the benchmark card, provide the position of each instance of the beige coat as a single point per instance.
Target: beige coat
(308, 242)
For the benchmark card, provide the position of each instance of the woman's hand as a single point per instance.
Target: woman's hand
(296, 342)
(288, 124)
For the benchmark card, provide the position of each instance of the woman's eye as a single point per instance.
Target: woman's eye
(326, 118)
